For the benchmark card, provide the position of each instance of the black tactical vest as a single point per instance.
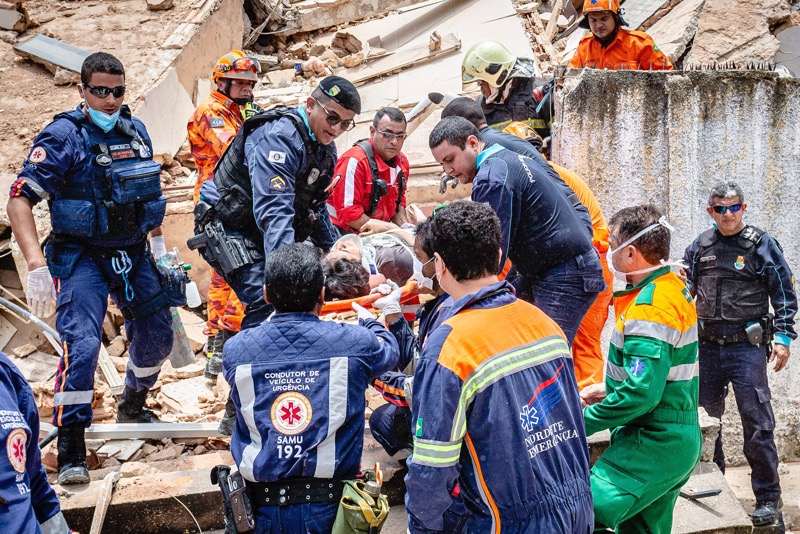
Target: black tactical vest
(727, 286)
(520, 106)
(376, 194)
(232, 178)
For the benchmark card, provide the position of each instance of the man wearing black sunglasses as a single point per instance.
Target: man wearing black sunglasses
(736, 271)
(270, 186)
(94, 167)
(369, 197)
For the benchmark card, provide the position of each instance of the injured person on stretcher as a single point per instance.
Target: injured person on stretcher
(356, 265)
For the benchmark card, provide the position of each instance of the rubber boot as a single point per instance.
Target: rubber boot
(131, 408)
(214, 363)
(229, 419)
(72, 468)
(766, 512)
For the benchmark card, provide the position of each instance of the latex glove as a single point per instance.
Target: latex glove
(157, 246)
(444, 181)
(376, 226)
(390, 303)
(362, 312)
(41, 293)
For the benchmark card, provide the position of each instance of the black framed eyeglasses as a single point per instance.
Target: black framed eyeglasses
(333, 118)
(391, 135)
(101, 91)
(722, 210)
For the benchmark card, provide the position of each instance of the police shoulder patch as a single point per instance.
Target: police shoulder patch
(216, 122)
(276, 156)
(277, 183)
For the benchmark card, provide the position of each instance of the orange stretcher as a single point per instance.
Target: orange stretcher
(339, 306)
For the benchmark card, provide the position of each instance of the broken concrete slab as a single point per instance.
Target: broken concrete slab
(11, 19)
(165, 109)
(636, 12)
(718, 39)
(789, 51)
(122, 449)
(718, 513)
(182, 396)
(36, 366)
(316, 14)
(148, 499)
(677, 28)
(194, 327)
(51, 53)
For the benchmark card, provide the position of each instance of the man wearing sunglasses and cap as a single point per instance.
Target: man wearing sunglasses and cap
(269, 189)
(211, 129)
(609, 46)
(94, 167)
(736, 271)
(369, 196)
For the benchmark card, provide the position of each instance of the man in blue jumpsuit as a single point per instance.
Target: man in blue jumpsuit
(285, 160)
(270, 189)
(298, 384)
(28, 502)
(390, 424)
(736, 271)
(495, 406)
(542, 234)
(94, 167)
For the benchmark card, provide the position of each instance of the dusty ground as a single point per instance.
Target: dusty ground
(125, 28)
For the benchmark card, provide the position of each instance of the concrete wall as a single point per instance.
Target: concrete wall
(666, 138)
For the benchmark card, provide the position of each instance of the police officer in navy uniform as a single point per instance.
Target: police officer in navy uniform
(736, 271)
(27, 501)
(298, 383)
(270, 187)
(94, 167)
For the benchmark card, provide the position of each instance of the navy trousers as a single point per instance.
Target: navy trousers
(744, 366)
(81, 303)
(566, 292)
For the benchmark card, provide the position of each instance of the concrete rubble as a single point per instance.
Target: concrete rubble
(397, 51)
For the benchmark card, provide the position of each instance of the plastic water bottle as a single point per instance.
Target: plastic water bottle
(193, 299)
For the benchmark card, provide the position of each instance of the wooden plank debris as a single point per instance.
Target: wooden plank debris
(52, 53)
(109, 371)
(105, 493)
(400, 60)
(552, 24)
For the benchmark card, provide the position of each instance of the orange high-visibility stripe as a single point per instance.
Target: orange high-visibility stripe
(63, 378)
(389, 389)
(479, 473)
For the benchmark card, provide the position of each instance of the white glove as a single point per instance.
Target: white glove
(390, 303)
(362, 312)
(41, 293)
(157, 246)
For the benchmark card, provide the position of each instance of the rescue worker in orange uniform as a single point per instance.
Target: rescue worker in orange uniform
(211, 128)
(586, 352)
(609, 46)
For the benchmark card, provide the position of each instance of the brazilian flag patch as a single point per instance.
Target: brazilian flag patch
(418, 428)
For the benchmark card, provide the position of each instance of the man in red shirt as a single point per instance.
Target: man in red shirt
(609, 46)
(370, 179)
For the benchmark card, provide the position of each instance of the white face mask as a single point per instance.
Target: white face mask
(623, 276)
(423, 280)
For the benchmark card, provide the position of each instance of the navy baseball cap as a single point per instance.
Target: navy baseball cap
(342, 92)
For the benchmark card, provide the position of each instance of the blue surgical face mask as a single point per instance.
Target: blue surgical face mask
(101, 119)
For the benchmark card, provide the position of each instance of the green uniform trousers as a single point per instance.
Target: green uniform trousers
(637, 480)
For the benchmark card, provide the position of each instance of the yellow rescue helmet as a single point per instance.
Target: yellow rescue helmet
(488, 61)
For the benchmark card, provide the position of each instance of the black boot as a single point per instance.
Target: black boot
(131, 408)
(766, 512)
(229, 419)
(214, 363)
(72, 468)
